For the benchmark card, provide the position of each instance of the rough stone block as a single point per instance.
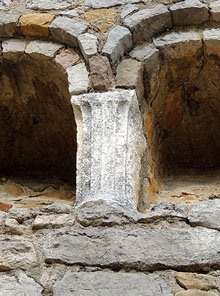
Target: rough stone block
(206, 213)
(5, 4)
(78, 79)
(101, 19)
(130, 75)
(179, 45)
(195, 292)
(106, 172)
(100, 73)
(67, 58)
(53, 221)
(42, 49)
(66, 30)
(19, 285)
(70, 13)
(189, 12)
(108, 3)
(88, 45)
(49, 4)
(127, 9)
(211, 39)
(147, 23)
(134, 248)
(106, 283)
(148, 54)
(35, 24)
(12, 48)
(215, 10)
(8, 24)
(118, 42)
(16, 253)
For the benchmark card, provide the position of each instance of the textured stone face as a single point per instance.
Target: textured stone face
(66, 30)
(108, 3)
(8, 24)
(78, 79)
(90, 284)
(215, 10)
(147, 23)
(49, 4)
(36, 24)
(211, 39)
(21, 285)
(109, 173)
(88, 45)
(67, 58)
(195, 292)
(5, 4)
(135, 247)
(101, 19)
(42, 49)
(189, 12)
(119, 41)
(100, 73)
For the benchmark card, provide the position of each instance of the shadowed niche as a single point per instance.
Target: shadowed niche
(37, 126)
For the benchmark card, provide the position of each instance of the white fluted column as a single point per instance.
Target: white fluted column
(111, 142)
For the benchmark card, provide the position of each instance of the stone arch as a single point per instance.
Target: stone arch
(38, 128)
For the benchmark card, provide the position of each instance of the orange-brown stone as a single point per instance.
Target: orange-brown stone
(5, 207)
(101, 19)
(173, 109)
(36, 24)
(148, 124)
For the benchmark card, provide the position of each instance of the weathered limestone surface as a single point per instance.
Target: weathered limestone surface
(49, 4)
(78, 79)
(66, 30)
(211, 39)
(140, 248)
(53, 221)
(8, 24)
(100, 73)
(5, 4)
(147, 23)
(129, 8)
(195, 292)
(108, 3)
(12, 48)
(206, 213)
(97, 283)
(42, 49)
(88, 45)
(108, 173)
(36, 24)
(215, 10)
(16, 252)
(22, 285)
(179, 45)
(189, 12)
(119, 41)
(67, 58)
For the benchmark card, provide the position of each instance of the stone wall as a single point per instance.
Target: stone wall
(142, 77)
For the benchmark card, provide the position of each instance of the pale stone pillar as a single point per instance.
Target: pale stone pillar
(111, 142)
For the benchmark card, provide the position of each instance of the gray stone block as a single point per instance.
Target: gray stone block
(211, 39)
(78, 79)
(66, 30)
(5, 4)
(49, 4)
(147, 23)
(108, 3)
(8, 24)
(118, 42)
(189, 12)
(215, 11)
(12, 48)
(42, 49)
(135, 248)
(88, 44)
(206, 213)
(108, 284)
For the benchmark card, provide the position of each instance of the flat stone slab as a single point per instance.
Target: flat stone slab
(49, 4)
(108, 3)
(88, 44)
(22, 285)
(189, 12)
(16, 253)
(211, 39)
(108, 284)
(179, 44)
(12, 48)
(136, 248)
(118, 42)
(42, 49)
(206, 213)
(147, 23)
